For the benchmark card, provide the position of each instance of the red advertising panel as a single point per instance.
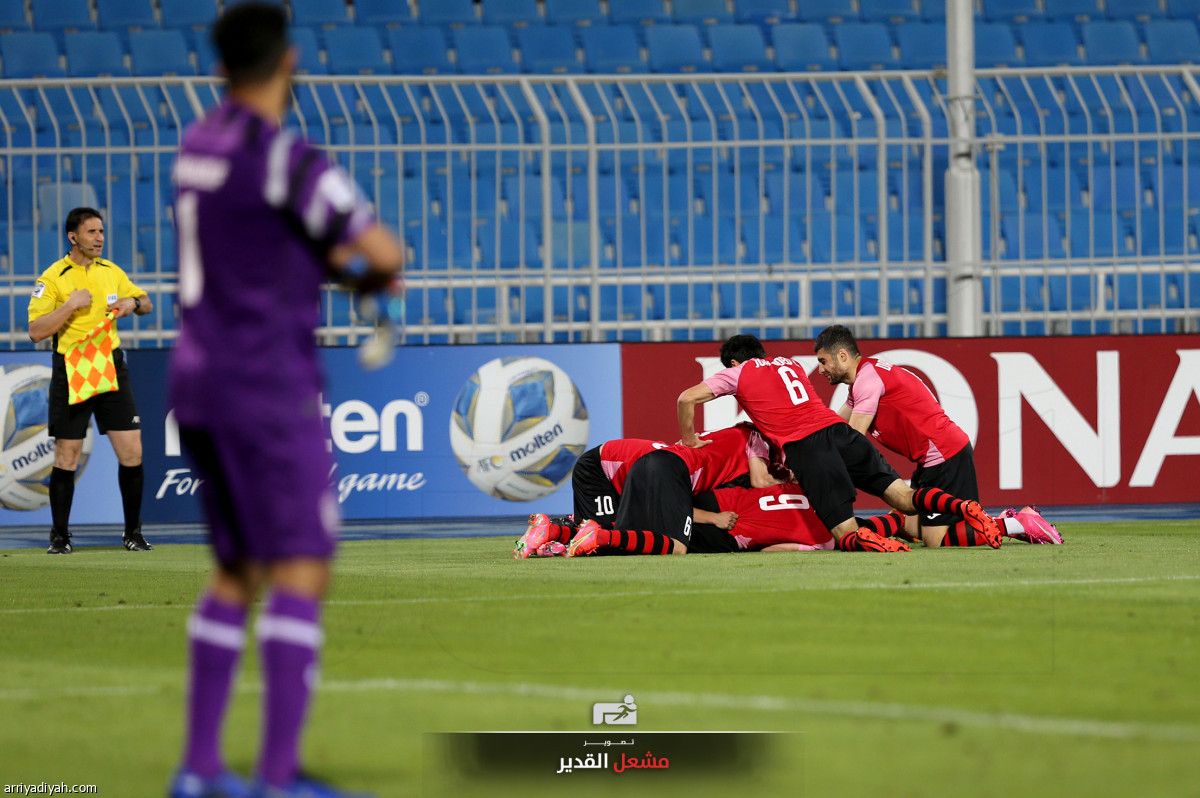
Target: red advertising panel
(1073, 420)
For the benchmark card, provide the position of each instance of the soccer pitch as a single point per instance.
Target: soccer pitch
(1033, 670)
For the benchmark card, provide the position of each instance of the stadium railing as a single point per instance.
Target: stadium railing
(670, 207)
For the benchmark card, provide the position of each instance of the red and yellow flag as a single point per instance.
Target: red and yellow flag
(90, 366)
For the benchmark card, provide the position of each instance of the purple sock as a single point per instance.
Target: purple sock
(216, 634)
(289, 636)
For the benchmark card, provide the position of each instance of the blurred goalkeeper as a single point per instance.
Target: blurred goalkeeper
(263, 219)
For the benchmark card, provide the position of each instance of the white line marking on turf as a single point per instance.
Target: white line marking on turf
(798, 587)
(875, 710)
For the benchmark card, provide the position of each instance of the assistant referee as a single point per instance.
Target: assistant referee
(70, 300)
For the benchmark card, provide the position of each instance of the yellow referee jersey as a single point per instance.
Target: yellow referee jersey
(107, 281)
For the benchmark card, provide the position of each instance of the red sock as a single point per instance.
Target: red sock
(561, 532)
(936, 500)
(634, 541)
(962, 535)
(885, 525)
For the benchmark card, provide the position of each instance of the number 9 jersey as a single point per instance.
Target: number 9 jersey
(777, 396)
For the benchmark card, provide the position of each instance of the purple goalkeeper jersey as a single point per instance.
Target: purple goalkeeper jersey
(256, 211)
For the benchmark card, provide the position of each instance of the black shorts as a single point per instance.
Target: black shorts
(658, 497)
(115, 410)
(956, 476)
(831, 463)
(595, 496)
(709, 538)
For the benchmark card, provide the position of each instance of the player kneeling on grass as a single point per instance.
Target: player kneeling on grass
(654, 491)
(897, 409)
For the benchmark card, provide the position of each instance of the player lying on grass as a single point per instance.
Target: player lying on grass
(651, 485)
(829, 459)
(897, 409)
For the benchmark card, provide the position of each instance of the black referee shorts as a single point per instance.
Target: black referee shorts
(595, 496)
(658, 497)
(956, 476)
(831, 463)
(114, 410)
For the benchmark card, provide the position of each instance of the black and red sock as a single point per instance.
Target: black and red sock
(936, 500)
(638, 542)
(850, 542)
(962, 535)
(884, 525)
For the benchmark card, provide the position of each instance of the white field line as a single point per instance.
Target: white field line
(873, 710)
(796, 588)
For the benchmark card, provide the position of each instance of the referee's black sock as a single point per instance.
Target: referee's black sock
(130, 478)
(62, 493)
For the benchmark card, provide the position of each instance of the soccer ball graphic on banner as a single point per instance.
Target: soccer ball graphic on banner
(28, 451)
(518, 426)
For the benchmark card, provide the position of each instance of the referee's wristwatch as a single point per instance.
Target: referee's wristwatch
(137, 304)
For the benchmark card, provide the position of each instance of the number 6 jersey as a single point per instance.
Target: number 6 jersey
(777, 396)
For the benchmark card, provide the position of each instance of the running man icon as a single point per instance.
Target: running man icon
(613, 714)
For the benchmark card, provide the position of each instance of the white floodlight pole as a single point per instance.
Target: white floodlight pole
(963, 222)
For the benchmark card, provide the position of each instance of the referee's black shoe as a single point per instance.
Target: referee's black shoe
(60, 542)
(135, 542)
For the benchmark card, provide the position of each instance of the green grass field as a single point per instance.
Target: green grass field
(1033, 670)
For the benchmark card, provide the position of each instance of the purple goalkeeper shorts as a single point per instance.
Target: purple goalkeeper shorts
(266, 492)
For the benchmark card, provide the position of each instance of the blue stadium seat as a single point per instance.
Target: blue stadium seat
(56, 199)
(640, 241)
(864, 46)
(612, 198)
(936, 12)
(826, 12)
(839, 238)
(30, 55)
(1119, 188)
(922, 45)
(675, 49)
(780, 240)
(728, 194)
(1072, 10)
(419, 51)
(702, 12)
(34, 250)
(159, 52)
(515, 14)
(125, 15)
(1180, 187)
(1007, 200)
(449, 13)
(893, 12)
(305, 40)
(466, 197)
(1058, 190)
(1011, 10)
(764, 12)
(438, 247)
(483, 50)
(320, 13)
(548, 50)
(523, 193)
(580, 13)
(611, 49)
(1050, 44)
(12, 16)
(157, 245)
(426, 307)
(190, 15)
(739, 48)
(714, 243)
(1183, 9)
(61, 16)
(659, 196)
(355, 51)
(995, 46)
(1111, 43)
(1031, 236)
(802, 48)
(1168, 233)
(1134, 10)
(637, 12)
(1172, 42)
(95, 53)
(509, 246)
(383, 13)
(1098, 235)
